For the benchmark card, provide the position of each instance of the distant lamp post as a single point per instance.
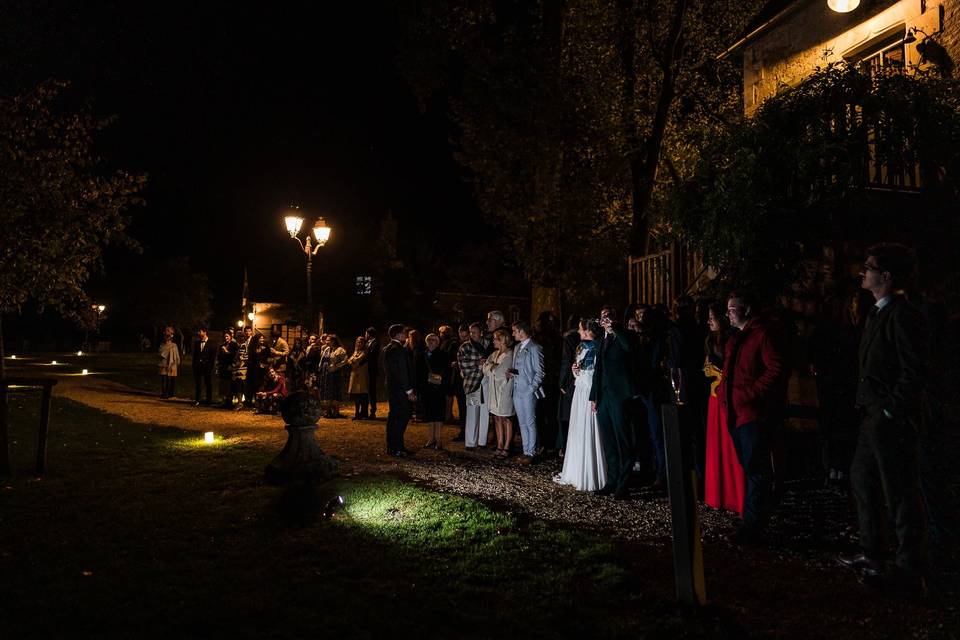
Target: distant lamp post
(321, 233)
(843, 6)
(240, 324)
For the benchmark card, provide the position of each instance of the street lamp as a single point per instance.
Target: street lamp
(321, 233)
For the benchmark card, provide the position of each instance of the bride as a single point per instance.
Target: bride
(583, 462)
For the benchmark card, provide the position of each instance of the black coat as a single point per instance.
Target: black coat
(571, 340)
(398, 366)
(373, 357)
(893, 360)
(203, 360)
(614, 376)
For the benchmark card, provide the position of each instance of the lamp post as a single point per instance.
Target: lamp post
(321, 232)
(97, 309)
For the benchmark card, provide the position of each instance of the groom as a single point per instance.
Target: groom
(613, 386)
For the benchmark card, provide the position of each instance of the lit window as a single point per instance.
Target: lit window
(364, 285)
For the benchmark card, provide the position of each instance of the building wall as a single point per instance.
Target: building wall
(811, 35)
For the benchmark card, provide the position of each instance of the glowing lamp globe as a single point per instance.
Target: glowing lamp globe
(321, 232)
(843, 6)
(293, 225)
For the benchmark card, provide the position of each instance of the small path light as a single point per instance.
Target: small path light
(53, 362)
(84, 372)
(79, 353)
(208, 437)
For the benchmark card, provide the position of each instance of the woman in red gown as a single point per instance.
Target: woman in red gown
(723, 484)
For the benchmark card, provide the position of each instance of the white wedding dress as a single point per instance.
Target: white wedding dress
(583, 464)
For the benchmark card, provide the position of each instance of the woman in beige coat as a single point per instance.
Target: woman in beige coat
(359, 374)
(500, 389)
(169, 362)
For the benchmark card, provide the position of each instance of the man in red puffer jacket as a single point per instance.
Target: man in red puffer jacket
(753, 393)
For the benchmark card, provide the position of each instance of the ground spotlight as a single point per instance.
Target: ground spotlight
(208, 437)
(84, 372)
(330, 509)
(53, 362)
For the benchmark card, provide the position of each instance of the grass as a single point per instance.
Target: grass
(140, 531)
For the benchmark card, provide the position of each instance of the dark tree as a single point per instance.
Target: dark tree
(59, 206)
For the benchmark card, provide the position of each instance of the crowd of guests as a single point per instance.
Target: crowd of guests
(593, 394)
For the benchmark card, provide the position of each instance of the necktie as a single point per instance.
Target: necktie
(871, 317)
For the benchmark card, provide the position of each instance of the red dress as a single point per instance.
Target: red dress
(723, 484)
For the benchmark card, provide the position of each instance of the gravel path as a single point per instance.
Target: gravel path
(359, 445)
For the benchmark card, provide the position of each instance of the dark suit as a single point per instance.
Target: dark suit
(892, 368)
(399, 370)
(613, 386)
(571, 340)
(204, 355)
(373, 370)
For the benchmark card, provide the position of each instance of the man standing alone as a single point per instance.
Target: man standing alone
(885, 465)
(204, 355)
(400, 389)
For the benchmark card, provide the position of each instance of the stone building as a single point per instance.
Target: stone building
(792, 38)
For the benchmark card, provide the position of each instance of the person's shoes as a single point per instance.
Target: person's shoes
(861, 562)
(622, 494)
(400, 453)
(558, 479)
(525, 459)
(605, 491)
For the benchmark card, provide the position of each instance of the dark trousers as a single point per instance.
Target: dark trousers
(360, 401)
(206, 377)
(618, 441)
(885, 466)
(372, 393)
(752, 442)
(654, 420)
(168, 386)
(226, 391)
(400, 411)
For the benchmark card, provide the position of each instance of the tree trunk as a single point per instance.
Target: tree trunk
(3, 353)
(644, 183)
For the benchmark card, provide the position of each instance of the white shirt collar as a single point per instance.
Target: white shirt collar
(882, 302)
(524, 344)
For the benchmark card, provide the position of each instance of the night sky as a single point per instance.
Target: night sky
(234, 112)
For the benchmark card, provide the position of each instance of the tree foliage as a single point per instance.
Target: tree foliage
(801, 174)
(58, 208)
(553, 106)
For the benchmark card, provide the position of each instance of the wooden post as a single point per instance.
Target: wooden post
(681, 481)
(44, 428)
(4, 434)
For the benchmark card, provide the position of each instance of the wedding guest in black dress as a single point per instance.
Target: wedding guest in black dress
(433, 389)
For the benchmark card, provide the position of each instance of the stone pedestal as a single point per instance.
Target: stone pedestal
(301, 458)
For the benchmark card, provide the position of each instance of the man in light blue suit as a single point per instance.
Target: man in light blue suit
(527, 374)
